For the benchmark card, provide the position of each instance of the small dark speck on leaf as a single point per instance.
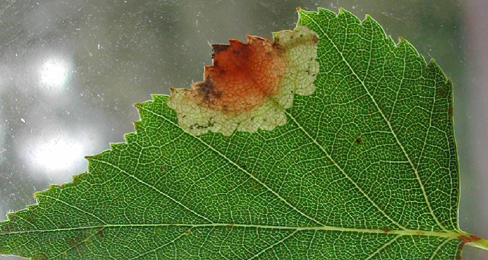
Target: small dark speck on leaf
(100, 232)
(358, 140)
(442, 91)
(386, 229)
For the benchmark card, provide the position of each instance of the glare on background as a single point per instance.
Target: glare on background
(54, 74)
(56, 157)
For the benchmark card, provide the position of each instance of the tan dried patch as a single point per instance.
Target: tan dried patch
(249, 85)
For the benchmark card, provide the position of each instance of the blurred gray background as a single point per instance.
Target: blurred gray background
(70, 71)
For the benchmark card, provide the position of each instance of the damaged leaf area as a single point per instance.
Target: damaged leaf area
(249, 85)
(357, 161)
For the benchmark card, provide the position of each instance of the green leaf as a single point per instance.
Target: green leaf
(364, 168)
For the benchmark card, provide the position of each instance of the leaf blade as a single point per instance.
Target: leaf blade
(323, 193)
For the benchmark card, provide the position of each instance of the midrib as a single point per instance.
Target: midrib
(461, 236)
(406, 232)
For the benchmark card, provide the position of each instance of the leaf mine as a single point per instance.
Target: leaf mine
(249, 84)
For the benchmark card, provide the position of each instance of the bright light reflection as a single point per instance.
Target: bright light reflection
(56, 158)
(54, 73)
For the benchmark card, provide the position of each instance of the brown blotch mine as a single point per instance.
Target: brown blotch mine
(243, 75)
(249, 85)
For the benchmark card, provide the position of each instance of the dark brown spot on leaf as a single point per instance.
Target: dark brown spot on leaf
(386, 229)
(442, 91)
(358, 140)
(100, 232)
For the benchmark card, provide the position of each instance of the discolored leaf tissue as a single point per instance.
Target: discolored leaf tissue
(329, 142)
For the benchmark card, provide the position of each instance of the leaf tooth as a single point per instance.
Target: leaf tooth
(118, 146)
(348, 16)
(158, 98)
(433, 67)
(131, 137)
(322, 11)
(368, 18)
(410, 47)
(76, 180)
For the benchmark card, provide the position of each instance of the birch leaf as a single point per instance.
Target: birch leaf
(359, 164)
